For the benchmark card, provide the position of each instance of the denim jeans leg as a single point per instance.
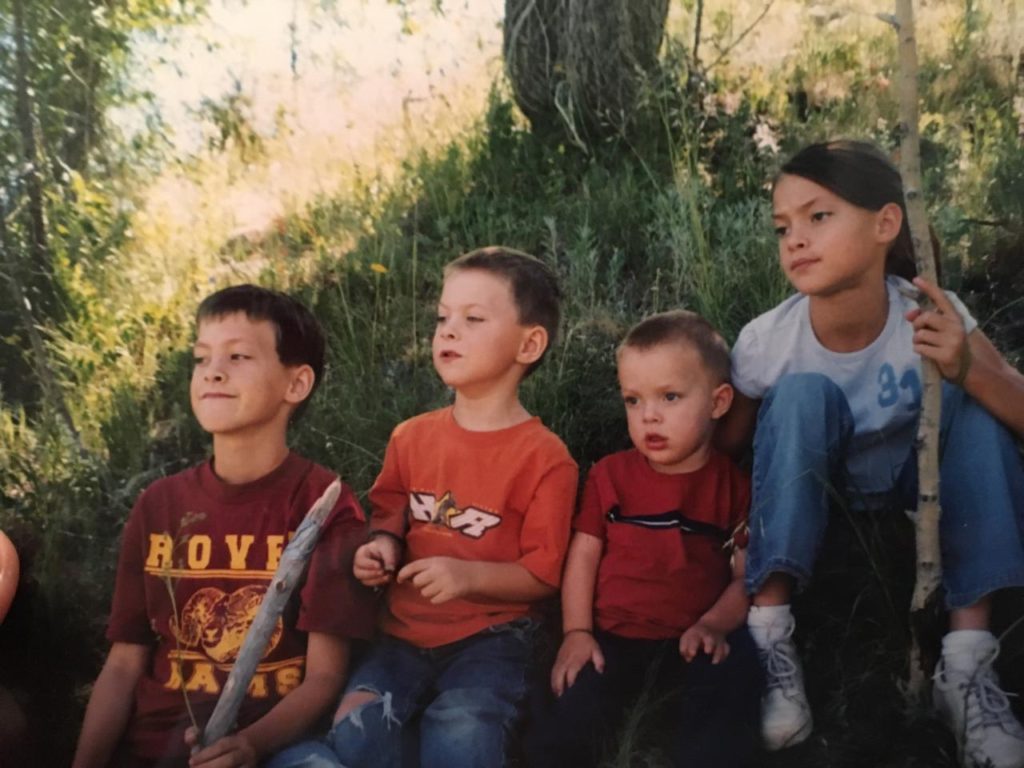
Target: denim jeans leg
(373, 734)
(481, 689)
(719, 720)
(305, 754)
(803, 429)
(981, 492)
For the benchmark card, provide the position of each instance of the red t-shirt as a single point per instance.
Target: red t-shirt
(667, 541)
(215, 547)
(500, 496)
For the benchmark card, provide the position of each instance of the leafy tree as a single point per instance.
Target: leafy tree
(62, 67)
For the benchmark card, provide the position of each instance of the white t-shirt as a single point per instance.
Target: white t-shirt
(882, 382)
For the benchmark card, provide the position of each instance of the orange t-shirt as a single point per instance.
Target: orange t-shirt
(500, 496)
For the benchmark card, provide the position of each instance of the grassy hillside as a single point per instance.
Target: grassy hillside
(675, 217)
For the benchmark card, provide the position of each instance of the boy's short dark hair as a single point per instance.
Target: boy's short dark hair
(683, 326)
(535, 290)
(300, 338)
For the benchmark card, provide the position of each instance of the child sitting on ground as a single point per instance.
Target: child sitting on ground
(832, 377)
(469, 529)
(201, 546)
(654, 576)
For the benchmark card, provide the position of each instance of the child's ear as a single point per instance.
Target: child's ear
(300, 384)
(721, 400)
(534, 342)
(889, 222)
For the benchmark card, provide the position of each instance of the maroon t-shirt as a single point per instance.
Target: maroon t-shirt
(196, 557)
(667, 541)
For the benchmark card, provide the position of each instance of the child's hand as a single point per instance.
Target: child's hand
(376, 560)
(939, 334)
(578, 649)
(439, 579)
(232, 751)
(702, 638)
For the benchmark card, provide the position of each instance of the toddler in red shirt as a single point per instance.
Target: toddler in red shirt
(653, 584)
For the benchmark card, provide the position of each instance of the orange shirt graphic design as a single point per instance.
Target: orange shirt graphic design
(445, 512)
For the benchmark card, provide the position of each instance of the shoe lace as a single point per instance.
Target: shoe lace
(992, 703)
(780, 663)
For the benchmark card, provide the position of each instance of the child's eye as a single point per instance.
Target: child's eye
(198, 360)
(820, 215)
(474, 319)
(630, 400)
(441, 319)
(240, 356)
(672, 396)
(780, 231)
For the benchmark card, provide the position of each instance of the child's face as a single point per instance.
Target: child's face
(479, 340)
(826, 244)
(239, 384)
(671, 404)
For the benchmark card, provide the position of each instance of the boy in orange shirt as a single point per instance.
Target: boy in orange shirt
(469, 528)
(654, 578)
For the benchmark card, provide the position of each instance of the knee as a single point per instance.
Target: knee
(799, 388)
(469, 709)
(364, 717)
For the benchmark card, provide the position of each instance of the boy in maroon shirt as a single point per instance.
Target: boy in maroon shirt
(653, 584)
(201, 546)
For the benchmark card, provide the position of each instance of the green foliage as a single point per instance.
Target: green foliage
(642, 223)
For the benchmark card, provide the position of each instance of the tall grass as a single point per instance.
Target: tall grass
(631, 228)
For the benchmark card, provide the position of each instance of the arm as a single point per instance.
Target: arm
(293, 716)
(578, 643)
(728, 613)
(441, 579)
(971, 361)
(735, 431)
(110, 704)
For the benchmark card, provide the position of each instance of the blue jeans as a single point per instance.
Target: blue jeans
(714, 709)
(803, 430)
(446, 707)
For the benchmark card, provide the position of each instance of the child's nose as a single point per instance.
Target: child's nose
(214, 373)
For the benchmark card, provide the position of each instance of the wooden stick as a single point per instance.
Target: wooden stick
(287, 575)
(929, 558)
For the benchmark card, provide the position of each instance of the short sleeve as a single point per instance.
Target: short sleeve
(389, 496)
(591, 517)
(129, 622)
(544, 538)
(961, 309)
(747, 364)
(333, 601)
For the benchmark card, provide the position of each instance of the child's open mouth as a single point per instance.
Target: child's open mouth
(655, 442)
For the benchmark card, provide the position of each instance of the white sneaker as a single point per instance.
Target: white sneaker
(978, 712)
(785, 712)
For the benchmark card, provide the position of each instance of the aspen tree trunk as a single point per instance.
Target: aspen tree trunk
(288, 573)
(929, 560)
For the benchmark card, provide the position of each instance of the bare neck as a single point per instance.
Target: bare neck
(240, 459)
(850, 320)
(490, 411)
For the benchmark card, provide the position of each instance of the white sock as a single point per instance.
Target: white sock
(768, 622)
(962, 649)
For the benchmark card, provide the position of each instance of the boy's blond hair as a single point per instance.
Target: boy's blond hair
(681, 326)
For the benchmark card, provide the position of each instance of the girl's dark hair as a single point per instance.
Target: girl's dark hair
(861, 174)
(300, 338)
